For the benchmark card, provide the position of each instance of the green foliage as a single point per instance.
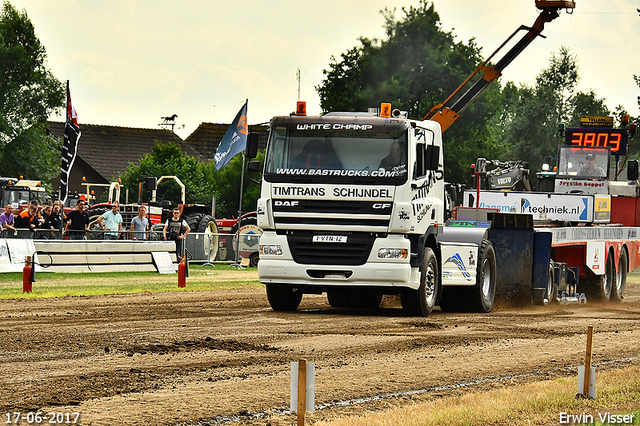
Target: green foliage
(200, 179)
(227, 183)
(416, 67)
(534, 112)
(29, 94)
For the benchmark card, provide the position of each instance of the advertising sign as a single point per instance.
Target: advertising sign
(543, 206)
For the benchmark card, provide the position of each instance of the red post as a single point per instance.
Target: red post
(182, 273)
(27, 285)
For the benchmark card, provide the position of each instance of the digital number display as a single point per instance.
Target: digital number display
(615, 139)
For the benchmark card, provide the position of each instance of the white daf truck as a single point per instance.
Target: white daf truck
(353, 204)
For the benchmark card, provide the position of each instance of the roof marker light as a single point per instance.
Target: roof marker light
(385, 110)
(301, 108)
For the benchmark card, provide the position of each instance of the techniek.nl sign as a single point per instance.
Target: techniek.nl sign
(556, 207)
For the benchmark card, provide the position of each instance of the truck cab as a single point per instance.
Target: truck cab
(348, 201)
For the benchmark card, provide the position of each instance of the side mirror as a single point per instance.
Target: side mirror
(632, 170)
(252, 145)
(433, 157)
(254, 166)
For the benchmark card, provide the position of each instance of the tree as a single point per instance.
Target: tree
(200, 179)
(535, 112)
(416, 67)
(29, 94)
(168, 160)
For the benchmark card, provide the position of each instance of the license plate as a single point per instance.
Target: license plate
(329, 238)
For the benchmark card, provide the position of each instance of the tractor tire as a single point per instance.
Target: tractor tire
(156, 232)
(192, 220)
(254, 258)
(420, 302)
(620, 283)
(208, 226)
(283, 298)
(95, 232)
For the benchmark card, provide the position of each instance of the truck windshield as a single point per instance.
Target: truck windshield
(583, 163)
(369, 157)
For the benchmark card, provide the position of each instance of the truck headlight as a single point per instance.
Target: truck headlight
(392, 253)
(271, 250)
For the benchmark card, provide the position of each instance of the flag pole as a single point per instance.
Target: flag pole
(237, 257)
(244, 157)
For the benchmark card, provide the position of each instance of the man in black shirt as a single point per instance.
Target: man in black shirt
(77, 222)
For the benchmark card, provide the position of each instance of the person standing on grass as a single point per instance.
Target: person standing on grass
(176, 229)
(111, 220)
(140, 224)
(77, 222)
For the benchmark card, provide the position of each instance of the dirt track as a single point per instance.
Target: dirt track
(198, 357)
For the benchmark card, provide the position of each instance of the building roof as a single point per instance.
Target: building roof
(207, 137)
(109, 149)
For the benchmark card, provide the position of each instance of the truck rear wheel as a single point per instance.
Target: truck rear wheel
(598, 287)
(617, 292)
(420, 302)
(283, 297)
(482, 295)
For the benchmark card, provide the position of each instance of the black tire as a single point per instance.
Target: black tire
(95, 232)
(552, 287)
(192, 220)
(620, 283)
(208, 226)
(420, 302)
(482, 295)
(156, 232)
(254, 258)
(550, 294)
(283, 298)
(598, 287)
(338, 299)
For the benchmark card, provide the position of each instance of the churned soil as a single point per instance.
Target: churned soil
(223, 356)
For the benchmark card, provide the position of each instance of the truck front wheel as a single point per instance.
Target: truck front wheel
(420, 302)
(283, 297)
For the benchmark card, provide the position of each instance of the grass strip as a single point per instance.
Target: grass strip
(539, 403)
(49, 284)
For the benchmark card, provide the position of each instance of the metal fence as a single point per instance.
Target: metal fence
(200, 247)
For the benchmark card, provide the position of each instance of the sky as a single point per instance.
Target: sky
(131, 62)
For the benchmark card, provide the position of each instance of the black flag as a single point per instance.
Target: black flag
(69, 149)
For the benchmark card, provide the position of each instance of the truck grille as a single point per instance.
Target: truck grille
(354, 252)
(330, 215)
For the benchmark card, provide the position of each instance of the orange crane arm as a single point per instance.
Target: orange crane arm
(447, 116)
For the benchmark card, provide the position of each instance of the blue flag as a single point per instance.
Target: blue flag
(234, 141)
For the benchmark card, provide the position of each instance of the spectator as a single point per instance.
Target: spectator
(176, 229)
(140, 224)
(28, 219)
(7, 228)
(48, 227)
(111, 220)
(77, 222)
(58, 216)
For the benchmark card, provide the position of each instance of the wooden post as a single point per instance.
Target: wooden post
(587, 364)
(302, 390)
